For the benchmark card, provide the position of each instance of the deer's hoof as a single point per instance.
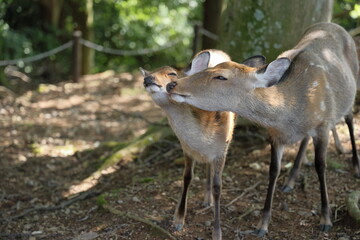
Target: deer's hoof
(325, 227)
(286, 189)
(356, 172)
(179, 226)
(259, 232)
(217, 235)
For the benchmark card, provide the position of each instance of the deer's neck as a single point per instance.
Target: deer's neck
(204, 135)
(273, 108)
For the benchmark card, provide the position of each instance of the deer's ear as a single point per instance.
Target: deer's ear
(199, 63)
(266, 77)
(255, 61)
(144, 72)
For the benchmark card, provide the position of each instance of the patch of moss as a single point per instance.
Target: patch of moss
(146, 180)
(101, 201)
(36, 149)
(332, 164)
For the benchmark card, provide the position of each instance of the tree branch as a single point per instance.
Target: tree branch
(139, 219)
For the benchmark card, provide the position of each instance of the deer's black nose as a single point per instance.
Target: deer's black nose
(170, 86)
(149, 80)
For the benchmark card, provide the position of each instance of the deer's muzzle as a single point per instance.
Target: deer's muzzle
(149, 80)
(170, 86)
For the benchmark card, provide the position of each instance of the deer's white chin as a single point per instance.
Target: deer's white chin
(154, 89)
(178, 98)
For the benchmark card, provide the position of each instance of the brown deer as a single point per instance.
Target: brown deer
(301, 94)
(204, 136)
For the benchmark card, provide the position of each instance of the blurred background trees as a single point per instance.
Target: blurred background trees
(244, 28)
(31, 27)
(268, 27)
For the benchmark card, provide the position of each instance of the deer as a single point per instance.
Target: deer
(204, 135)
(300, 95)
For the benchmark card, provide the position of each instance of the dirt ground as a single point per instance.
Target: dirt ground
(46, 160)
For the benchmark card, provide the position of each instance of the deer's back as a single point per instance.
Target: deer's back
(321, 81)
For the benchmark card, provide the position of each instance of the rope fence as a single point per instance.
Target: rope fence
(39, 56)
(208, 34)
(143, 51)
(77, 41)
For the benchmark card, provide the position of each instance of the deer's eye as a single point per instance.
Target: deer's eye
(220, 78)
(172, 74)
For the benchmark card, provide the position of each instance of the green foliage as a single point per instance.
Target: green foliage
(347, 13)
(135, 24)
(23, 35)
(11, 39)
(355, 13)
(127, 25)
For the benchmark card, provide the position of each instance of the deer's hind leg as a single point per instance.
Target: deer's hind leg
(355, 158)
(320, 145)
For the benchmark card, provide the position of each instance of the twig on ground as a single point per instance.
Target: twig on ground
(173, 199)
(203, 209)
(172, 143)
(250, 210)
(338, 208)
(234, 200)
(50, 208)
(139, 219)
(246, 190)
(149, 158)
(88, 213)
(2, 196)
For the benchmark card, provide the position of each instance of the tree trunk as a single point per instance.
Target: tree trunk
(211, 22)
(83, 17)
(83, 14)
(268, 27)
(88, 54)
(53, 11)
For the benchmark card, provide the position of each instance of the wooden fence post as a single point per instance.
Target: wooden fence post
(196, 39)
(76, 54)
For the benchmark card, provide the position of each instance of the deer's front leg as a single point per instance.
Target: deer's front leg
(208, 199)
(320, 144)
(294, 173)
(275, 166)
(338, 146)
(180, 212)
(218, 167)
